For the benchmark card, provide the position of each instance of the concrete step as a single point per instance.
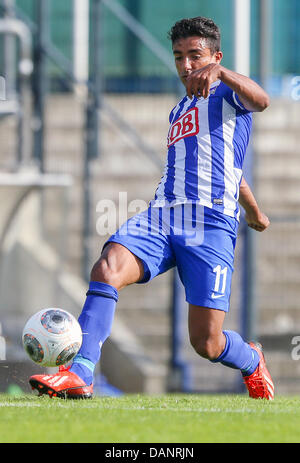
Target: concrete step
(275, 319)
(282, 113)
(276, 144)
(278, 169)
(207, 377)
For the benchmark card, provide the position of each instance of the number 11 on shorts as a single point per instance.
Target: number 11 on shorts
(220, 281)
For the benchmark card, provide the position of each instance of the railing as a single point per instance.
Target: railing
(21, 105)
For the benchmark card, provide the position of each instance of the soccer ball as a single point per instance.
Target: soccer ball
(52, 337)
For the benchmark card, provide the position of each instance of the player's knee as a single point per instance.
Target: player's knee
(207, 348)
(105, 273)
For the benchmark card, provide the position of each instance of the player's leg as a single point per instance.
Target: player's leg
(228, 347)
(205, 331)
(116, 268)
(217, 345)
(205, 267)
(204, 256)
(132, 255)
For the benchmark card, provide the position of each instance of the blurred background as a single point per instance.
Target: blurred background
(89, 85)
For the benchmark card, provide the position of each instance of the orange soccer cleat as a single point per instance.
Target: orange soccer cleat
(259, 383)
(64, 384)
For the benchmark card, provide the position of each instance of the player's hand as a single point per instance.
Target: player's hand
(198, 82)
(258, 221)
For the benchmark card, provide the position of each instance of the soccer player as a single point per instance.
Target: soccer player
(192, 221)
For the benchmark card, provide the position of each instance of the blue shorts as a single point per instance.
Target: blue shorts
(196, 239)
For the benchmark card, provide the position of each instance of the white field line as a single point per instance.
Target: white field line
(20, 404)
(136, 408)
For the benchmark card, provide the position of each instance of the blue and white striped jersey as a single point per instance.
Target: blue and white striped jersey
(207, 142)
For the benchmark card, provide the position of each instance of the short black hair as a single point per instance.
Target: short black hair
(200, 27)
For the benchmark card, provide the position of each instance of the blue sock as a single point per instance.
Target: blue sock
(96, 321)
(238, 354)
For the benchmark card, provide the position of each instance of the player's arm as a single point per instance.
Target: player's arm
(252, 96)
(254, 217)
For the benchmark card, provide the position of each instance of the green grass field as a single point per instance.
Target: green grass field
(149, 419)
